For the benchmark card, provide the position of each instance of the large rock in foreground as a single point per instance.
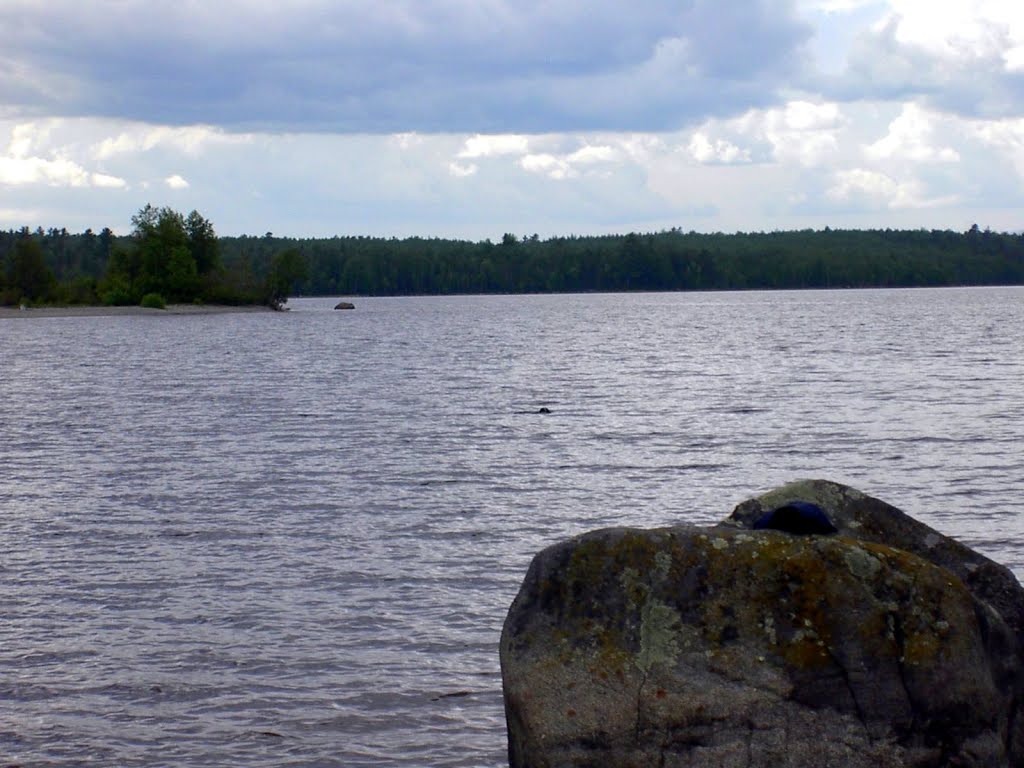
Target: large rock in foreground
(886, 644)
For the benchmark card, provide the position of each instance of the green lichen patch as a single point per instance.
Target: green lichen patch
(659, 625)
(861, 564)
(630, 599)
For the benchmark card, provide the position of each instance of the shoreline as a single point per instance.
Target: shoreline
(136, 311)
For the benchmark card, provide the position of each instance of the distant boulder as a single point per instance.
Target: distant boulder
(344, 305)
(883, 643)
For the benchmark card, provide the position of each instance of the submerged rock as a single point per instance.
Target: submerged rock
(886, 644)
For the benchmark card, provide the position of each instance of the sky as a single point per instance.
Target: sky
(473, 118)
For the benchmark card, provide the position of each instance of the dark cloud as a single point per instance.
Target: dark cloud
(423, 65)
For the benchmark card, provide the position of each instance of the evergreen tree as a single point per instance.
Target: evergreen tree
(28, 274)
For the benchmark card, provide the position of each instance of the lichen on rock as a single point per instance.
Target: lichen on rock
(712, 646)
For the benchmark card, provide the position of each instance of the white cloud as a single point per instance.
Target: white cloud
(55, 172)
(960, 56)
(872, 164)
(556, 156)
(494, 146)
(22, 139)
(703, 150)
(642, 147)
(1006, 137)
(880, 189)
(46, 153)
(110, 182)
(803, 116)
(592, 154)
(958, 30)
(874, 184)
(37, 170)
(462, 170)
(910, 137)
(189, 140)
(1014, 59)
(548, 165)
(408, 140)
(801, 132)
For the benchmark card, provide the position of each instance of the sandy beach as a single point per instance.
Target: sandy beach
(172, 309)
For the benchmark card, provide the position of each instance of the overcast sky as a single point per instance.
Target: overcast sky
(472, 118)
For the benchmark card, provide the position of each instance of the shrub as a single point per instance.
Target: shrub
(153, 301)
(78, 290)
(116, 292)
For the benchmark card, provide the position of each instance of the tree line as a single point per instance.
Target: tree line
(180, 258)
(169, 257)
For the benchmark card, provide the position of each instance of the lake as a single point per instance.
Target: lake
(290, 539)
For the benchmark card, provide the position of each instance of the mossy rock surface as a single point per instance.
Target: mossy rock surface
(728, 646)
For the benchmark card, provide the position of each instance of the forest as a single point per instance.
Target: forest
(170, 257)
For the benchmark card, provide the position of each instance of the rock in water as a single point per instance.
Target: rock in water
(886, 644)
(344, 305)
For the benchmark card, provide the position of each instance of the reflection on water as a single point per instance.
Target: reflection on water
(279, 539)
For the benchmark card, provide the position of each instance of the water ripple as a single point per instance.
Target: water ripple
(291, 539)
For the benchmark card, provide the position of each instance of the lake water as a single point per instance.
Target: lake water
(286, 539)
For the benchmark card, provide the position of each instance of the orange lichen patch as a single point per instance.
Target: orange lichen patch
(876, 632)
(793, 596)
(610, 652)
(921, 647)
(806, 651)
(594, 561)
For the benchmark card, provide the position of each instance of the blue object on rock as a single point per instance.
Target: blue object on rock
(800, 517)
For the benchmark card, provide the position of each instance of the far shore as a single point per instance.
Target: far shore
(93, 311)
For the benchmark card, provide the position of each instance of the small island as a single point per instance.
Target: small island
(170, 263)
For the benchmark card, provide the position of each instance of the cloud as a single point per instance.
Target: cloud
(31, 158)
(362, 66)
(805, 161)
(910, 137)
(462, 170)
(800, 131)
(594, 154)
(555, 156)
(109, 182)
(548, 165)
(1014, 58)
(31, 170)
(958, 30)
(54, 172)
(878, 189)
(1006, 137)
(959, 56)
(139, 137)
(704, 150)
(494, 145)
